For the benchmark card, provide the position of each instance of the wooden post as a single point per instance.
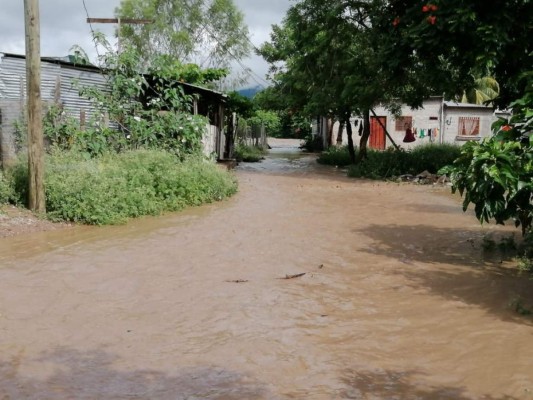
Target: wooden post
(119, 21)
(34, 105)
(82, 120)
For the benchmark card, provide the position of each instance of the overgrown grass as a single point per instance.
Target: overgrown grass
(248, 153)
(6, 189)
(115, 187)
(391, 163)
(337, 156)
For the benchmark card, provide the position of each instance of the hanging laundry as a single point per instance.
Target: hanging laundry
(422, 134)
(436, 132)
(409, 137)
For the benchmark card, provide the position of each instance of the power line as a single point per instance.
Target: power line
(92, 30)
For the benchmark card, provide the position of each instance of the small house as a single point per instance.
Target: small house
(438, 121)
(60, 79)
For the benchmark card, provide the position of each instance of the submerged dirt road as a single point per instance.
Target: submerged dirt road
(397, 301)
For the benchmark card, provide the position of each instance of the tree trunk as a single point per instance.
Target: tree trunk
(364, 138)
(349, 132)
(339, 133)
(331, 123)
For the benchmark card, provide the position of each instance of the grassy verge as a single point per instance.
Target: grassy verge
(391, 163)
(6, 189)
(337, 156)
(115, 187)
(248, 153)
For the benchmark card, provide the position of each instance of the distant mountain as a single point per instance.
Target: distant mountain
(250, 92)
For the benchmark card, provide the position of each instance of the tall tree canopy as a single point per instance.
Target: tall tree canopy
(208, 32)
(346, 56)
(449, 44)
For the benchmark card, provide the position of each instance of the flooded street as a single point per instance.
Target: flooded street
(398, 300)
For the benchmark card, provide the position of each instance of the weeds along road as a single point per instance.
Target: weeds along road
(397, 300)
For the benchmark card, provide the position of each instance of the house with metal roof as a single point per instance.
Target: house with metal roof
(61, 79)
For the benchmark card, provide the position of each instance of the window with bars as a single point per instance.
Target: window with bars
(468, 126)
(402, 123)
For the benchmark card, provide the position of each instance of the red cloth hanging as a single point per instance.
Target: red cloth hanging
(409, 137)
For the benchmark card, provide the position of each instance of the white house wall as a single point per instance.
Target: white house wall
(428, 117)
(434, 114)
(451, 123)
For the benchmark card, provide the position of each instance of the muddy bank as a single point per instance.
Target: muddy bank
(397, 301)
(16, 221)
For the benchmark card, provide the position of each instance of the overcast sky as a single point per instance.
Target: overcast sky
(63, 25)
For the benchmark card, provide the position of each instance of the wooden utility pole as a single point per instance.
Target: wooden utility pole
(34, 107)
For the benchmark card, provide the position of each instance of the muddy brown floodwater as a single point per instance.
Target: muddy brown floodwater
(398, 300)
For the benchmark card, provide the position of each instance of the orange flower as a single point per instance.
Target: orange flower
(433, 7)
(506, 128)
(432, 19)
(425, 8)
(396, 21)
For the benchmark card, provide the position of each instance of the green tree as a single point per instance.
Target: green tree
(486, 89)
(203, 30)
(325, 59)
(150, 111)
(270, 120)
(448, 44)
(170, 68)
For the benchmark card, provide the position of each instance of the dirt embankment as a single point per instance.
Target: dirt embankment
(17, 221)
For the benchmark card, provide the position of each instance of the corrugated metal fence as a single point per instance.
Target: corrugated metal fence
(60, 84)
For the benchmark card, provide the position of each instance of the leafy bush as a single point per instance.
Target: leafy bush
(496, 175)
(134, 113)
(382, 165)
(391, 163)
(6, 190)
(432, 157)
(312, 143)
(248, 153)
(114, 187)
(338, 156)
